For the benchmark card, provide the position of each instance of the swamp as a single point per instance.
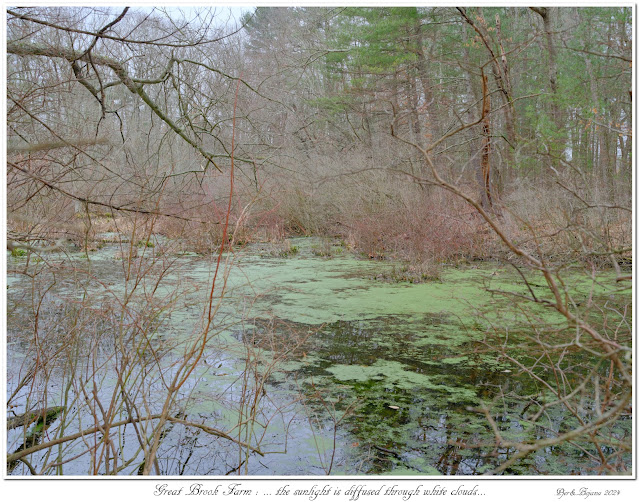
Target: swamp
(319, 241)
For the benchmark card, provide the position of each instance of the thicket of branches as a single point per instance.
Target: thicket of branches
(428, 134)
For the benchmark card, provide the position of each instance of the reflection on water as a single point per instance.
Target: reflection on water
(387, 393)
(426, 424)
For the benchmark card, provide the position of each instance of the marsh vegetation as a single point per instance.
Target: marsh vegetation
(319, 241)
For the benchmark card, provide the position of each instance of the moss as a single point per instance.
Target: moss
(145, 243)
(402, 361)
(397, 376)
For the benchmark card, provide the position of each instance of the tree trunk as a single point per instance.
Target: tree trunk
(486, 196)
(547, 15)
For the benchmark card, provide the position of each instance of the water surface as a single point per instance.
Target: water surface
(362, 375)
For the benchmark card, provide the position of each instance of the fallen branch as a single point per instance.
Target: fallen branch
(33, 416)
(53, 145)
(92, 430)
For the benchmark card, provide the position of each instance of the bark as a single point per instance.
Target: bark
(52, 145)
(509, 109)
(135, 86)
(499, 71)
(487, 197)
(414, 114)
(432, 129)
(501, 74)
(547, 15)
(34, 416)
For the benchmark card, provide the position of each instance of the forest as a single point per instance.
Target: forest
(285, 241)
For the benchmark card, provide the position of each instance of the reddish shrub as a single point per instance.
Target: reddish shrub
(430, 227)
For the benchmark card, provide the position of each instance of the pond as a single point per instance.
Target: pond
(327, 366)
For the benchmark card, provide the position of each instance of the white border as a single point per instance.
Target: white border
(498, 488)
